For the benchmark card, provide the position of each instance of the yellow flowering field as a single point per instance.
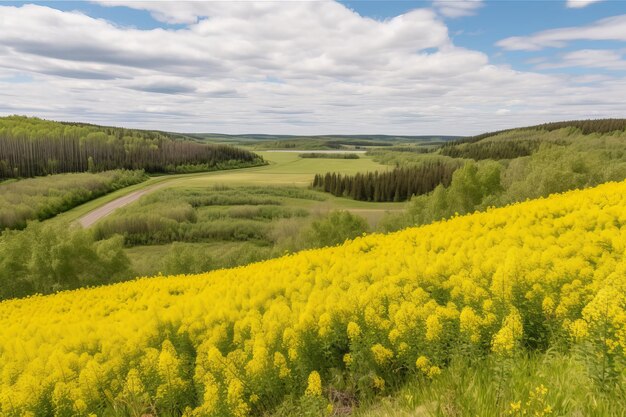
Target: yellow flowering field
(379, 309)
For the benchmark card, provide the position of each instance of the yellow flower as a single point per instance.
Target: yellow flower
(354, 331)
(234, 397)
(314, 386)
(469, 324)
(382, 355)
(347, 359)
(579, 330)
(433, 327)
(548, 305)
(281, 363)
(505, 340)
(423, 364)
(516, 406)
(433, 371)
(379, 383)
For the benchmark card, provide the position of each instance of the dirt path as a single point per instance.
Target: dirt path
(103, 211)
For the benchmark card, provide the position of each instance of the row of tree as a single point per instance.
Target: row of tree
(33, 147)
(491, 149)
(395, 185)
(322, 155)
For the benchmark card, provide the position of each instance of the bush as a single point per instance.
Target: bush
(44, 197)
(335, 228)
(44, 258)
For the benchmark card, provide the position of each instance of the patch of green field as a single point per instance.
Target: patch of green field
(285, 168)
(193, 257)
(238, 216)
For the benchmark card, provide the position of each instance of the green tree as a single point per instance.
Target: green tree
(335, 228)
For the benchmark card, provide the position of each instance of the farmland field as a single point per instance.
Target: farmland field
(284, 169)
(263, 237)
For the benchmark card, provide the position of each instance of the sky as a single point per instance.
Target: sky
(443, 67)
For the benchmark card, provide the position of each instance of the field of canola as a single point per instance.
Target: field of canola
(378, 309)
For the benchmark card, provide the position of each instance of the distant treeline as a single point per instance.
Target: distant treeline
(329, 155)
(396, 185)
(411, 149)
(314, 143)
(34, 147)
(585, 126)
(492, 149)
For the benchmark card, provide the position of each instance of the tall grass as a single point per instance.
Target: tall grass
(544, 384)
(203, 215)
(44, 197)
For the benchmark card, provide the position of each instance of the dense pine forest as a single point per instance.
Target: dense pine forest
(396, 185)
(33, 147)
(492, 149)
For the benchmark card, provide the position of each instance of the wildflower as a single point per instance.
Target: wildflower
(505, 340)
(433, 371)
(422, 363)
(354, 331)
(579, 330)
(238, 407)
(314, 386)
(433, 327)
(381, 354)
(347, 359)
(378, 383)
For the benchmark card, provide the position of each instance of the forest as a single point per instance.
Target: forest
(585, 127)
(398, 184)
(491, 149)
(566, 159)
(34, 147)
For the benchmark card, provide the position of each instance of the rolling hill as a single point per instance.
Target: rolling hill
(354, 321)
(34, 147)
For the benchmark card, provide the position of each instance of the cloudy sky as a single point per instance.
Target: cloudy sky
(318, 67)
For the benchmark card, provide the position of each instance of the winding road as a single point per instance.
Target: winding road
(103, 211)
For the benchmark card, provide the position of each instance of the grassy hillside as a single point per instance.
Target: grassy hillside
(33, 147)
(506, 167)
(325, 330)
(44, 197)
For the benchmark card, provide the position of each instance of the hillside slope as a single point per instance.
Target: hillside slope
(362, 317)
(524, 141)
(33, 147)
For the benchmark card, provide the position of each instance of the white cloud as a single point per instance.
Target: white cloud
(612, 28)
(274, 67)
(589, 58)
(578, 4)
(457, 8)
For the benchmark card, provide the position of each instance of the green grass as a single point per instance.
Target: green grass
(544, 384)
(284, 169)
